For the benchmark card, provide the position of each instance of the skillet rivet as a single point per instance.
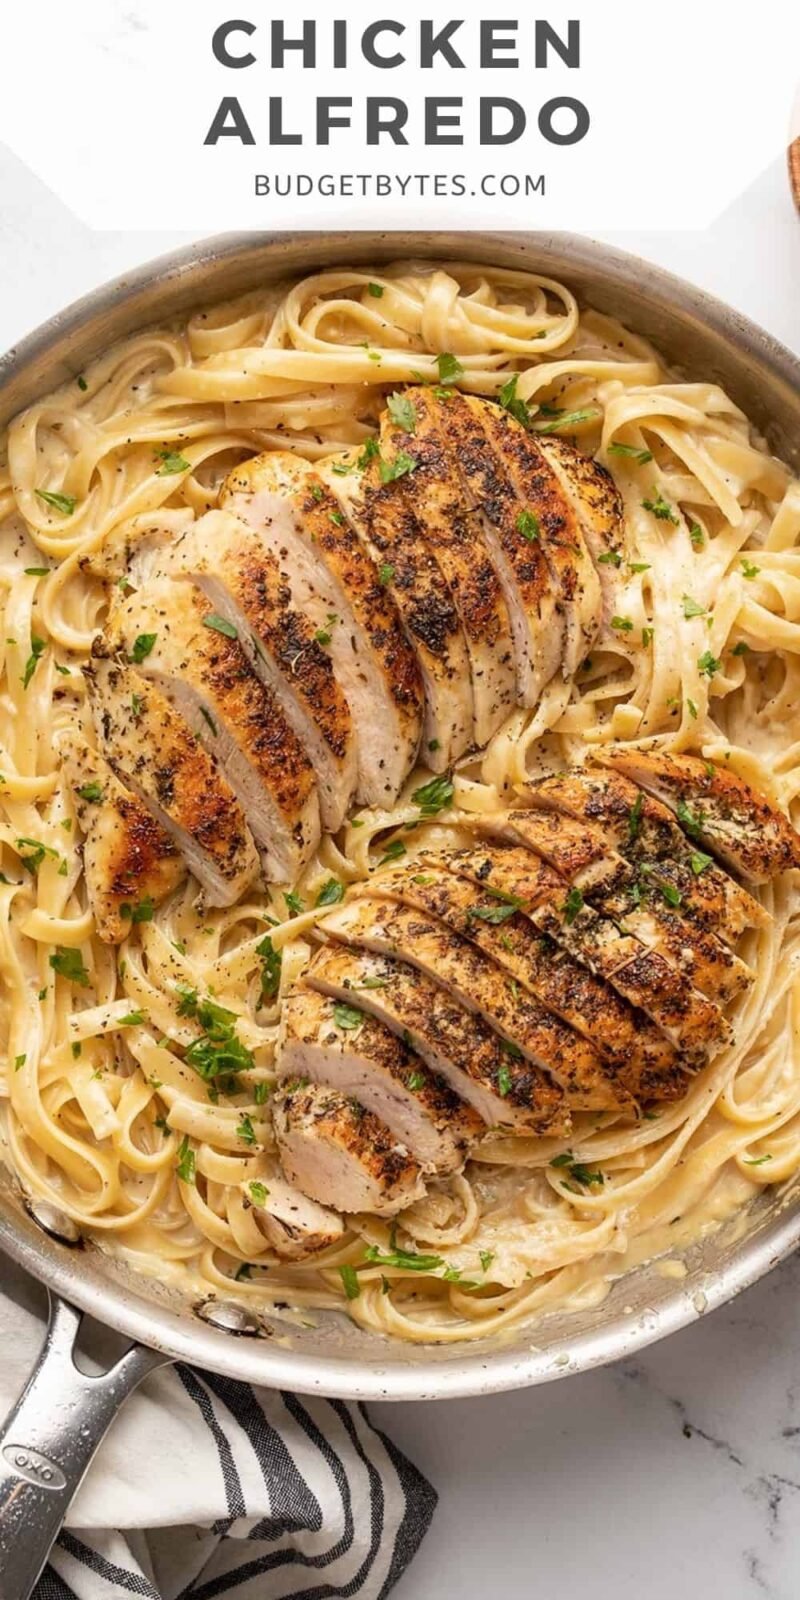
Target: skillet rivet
(229, 1317)
(53, 1221)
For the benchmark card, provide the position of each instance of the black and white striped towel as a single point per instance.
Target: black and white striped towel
(205, 1487)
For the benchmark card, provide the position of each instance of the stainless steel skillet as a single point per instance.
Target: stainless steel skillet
(50, 1438)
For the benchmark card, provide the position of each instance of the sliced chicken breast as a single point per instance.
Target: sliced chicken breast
(433, 492)
(717, 809)
(513, 541)
(694, 1025)
(434, 947)
(154, 752)
(243, 584)
(647, 835)
(407, 567)
(340, 1154)
(330, 574)
(295, 1226)
(129, 860)
(630, 1056)
(204, 673)
(483, 1069)
(599, 507)
(542, 498)
(634, 900)
(357, 1055)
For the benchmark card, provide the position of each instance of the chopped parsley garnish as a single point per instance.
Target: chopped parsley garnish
(37, 572)
(261, 1093)
(370, 451)
(337, 519)
(528, 525)
(385, 574)
(171, 461)
(402, 465)
(63, 503)
(610, 558)
(638, 566)
(756, 1161)
(82, 384)
(495, 915)
(142, 645)
(376, 290)
(450, 367)
(434, 796)
(741, 649)
(749, 570)
(708, 663)
(209, 720)
(572, 906)
(699, 861)
(692, 709)
(38, 646)
(648, 635)
(347, 1017)
(271, 969)
(415, 1081)
(393, 852)
(696, 535)
(133, 1019)
(693, 824)
(486, 1259)
(579, 1173)
(93, 792)
(403, 412)
(692, 608)
(632, 450)
(564, 420)
(509, 1048)
(217, 1053)
(37, 852)
(331, 893)
(350, 1283)
(622, 624)
(186, 1163)
(245, 1131)
(68, 963)
(137, 702)
(143, 912)
(407, 1260)
(661, 509)
(322, 636)
(516, 408)
(294, 905)
(504, 1081)
(19, 1062)
(635, 818)
(220, 625)
(672, 895)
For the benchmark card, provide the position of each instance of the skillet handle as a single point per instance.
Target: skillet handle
(49, 1439)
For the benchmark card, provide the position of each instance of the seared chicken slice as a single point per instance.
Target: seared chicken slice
(330, 575)
(482, 1068)
(629, 1057)
(434, 494)
(634, 900)
(152, 749)
(532, 595)
(599, 507)
(128, 858)
(204, 674)
(295, 1226)
(542, 498)
(435, 949)
(340, 1154)
(408, 568)
(340, 1044)
(693, 1024)
(647, 835)
(243, 584)
(716, 809)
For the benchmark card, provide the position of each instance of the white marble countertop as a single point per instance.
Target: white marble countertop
(681, 1468)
